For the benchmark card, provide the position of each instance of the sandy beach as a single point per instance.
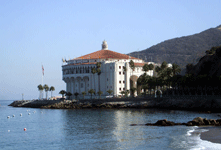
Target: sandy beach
(213, 135)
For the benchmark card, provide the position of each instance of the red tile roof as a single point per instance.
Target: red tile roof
(139, 64)
(82, 63)
(105, 54)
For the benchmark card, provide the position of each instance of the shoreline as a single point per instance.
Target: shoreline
(191, 103)
(212, 135)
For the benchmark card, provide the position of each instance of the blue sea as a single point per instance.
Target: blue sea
(98, 129)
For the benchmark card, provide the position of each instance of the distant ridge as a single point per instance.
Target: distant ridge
(182, 50)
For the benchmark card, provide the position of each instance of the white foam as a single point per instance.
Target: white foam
(196, 143)
(189, 133)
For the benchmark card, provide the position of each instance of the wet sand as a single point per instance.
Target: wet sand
(213, 135)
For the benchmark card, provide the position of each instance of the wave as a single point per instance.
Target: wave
(196, 143)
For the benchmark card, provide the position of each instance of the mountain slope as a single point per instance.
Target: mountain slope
(182, 50)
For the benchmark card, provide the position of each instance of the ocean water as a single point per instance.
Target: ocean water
(98, 129)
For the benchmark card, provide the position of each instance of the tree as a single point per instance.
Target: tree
(100, 93)
(76, 94)
(151, 66)
(93, 71)
(69, 94)
(51, 89)
(98, 64)
(126, 93)
(83, 93)
(189, 68)
(163, 65)
(132, 66)
(124, 68)
(62, 92)
(133, 89)
(91, 91)
(40, 88)
(122, 93)
(175, 69)
(146, 68)
(46, 90)
(109, 91)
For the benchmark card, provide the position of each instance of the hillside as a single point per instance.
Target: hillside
(210, 64)
(183, 50)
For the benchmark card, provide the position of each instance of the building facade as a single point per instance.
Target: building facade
(115, 72)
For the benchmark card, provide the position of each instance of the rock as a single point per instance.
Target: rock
(212, 121)
(198, 121)
(206, 122)
(218, 121)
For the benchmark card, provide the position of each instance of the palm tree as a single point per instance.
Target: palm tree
(93, 71)
(76, 94)
(126, 93)
(133, 89)
(122, 93)
(91, 91)
(175, 69)
(62, 92)
(51, 89)
(109, 92)
(46, 90)
(40, 88)
(124, 68)
(132, 66)
(100, 93)
(98, 64)
(68, 94)
(164, 65)
(83, 93)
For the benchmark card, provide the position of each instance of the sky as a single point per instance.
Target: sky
(35, 33)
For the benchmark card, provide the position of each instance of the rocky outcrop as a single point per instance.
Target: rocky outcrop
(195, 122)
(193, 103)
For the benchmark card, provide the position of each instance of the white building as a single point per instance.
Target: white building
(78, 77)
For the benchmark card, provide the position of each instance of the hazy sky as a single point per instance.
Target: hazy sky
(45, 31)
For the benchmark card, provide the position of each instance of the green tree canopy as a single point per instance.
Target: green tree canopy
(91, 91)
(100, 93)
(109, 91)
(83, 93)
(62, 92)
(68, 94)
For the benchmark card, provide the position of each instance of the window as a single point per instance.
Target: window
(119, 73)
(123, 72)
(123, 81)
(82, 85)
(120, 89)
(111, 87)
(88, 85)
(110, 67)
(119, 67)
(107, 87)
(107, 79)
(120, 81)
(124, 89)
